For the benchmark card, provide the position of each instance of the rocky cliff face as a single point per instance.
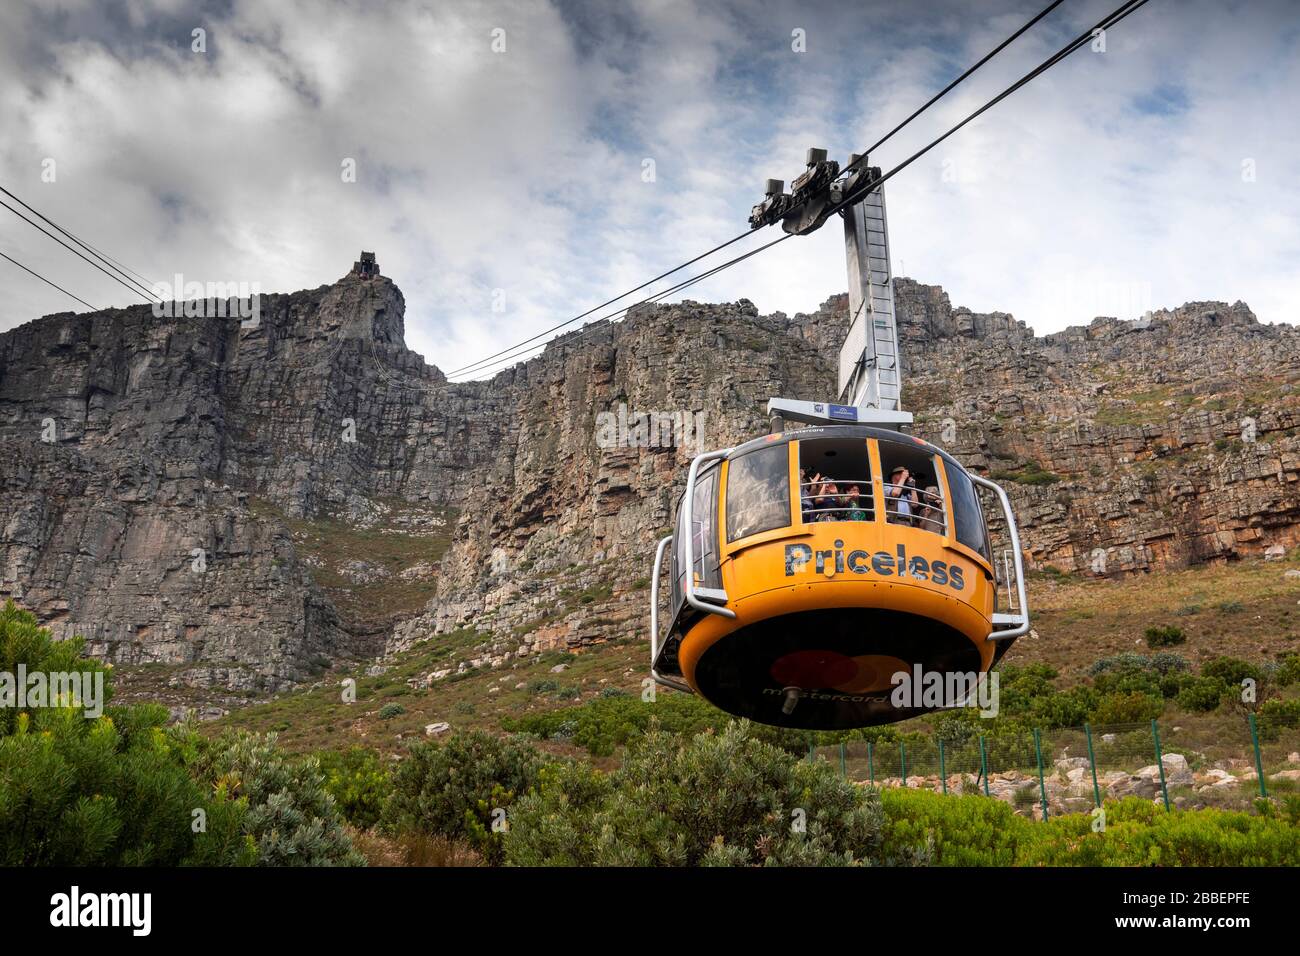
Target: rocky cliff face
(1127, 445)
(150, 465)
(249, 504)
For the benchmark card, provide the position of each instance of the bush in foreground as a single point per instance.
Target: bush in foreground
(109, 791)
(290, 816)
(122, 789)
(977, 831)
(714, 800)
(23, 642)
(458, 789)
(359, 782)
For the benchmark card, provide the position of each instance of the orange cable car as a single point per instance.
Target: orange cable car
(812, 569)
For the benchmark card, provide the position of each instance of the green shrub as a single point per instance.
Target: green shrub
(457, 788)
(1231, 671)
(1130, 682)
(1163, 674)
(1201, 694)
(718, 800)
(111, 790)
(1171, 685)
(1127, 662)
(605, 723)
(1291, 808)
(1165, 636)
(24, 642)
(975, 831)
(1127, 708)
(1288, 671)
(1064, 708)
(1275, 716)
(358, 779)
(1165, 663)
(1020, 687)
(956, 728)
(969, 830)
(1031, 473)
(1138, 833)
(290, 814)
(1034, 474)
(389, 711)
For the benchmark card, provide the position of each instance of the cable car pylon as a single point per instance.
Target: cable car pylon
(814, 570)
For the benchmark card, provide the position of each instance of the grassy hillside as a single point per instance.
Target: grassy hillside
(1246, 609)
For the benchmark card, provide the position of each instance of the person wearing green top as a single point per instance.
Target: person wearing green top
(853, 502)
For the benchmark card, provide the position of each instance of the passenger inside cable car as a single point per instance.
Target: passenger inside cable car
(835, 480)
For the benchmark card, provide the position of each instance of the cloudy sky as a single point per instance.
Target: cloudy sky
(512, 167)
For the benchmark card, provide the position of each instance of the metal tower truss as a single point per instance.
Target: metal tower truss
(870, 373)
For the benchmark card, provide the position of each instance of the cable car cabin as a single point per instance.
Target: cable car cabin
(809, 567)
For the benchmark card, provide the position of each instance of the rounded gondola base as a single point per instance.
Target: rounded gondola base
(831, 669)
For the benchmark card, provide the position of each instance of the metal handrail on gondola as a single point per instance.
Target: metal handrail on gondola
(1013, 625)
(674, 682)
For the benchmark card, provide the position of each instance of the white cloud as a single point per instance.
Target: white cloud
(523, 171)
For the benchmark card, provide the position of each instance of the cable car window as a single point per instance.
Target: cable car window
(968, 516)
(704, 542)
(758, 492)
(835, 480)
(705, 532)
(912, 495)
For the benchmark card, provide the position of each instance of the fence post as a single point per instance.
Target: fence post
(1160, 761)
(943, 773)
(871, 762)
(844, 767)
(1259, 762)
(984, 765)
(1092, 762)
(902, 760)
(1042, 785)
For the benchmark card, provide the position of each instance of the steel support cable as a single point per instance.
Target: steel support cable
(126, 271)
(49, 283)
(151, 298)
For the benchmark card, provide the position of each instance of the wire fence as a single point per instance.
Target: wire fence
(1074, 769)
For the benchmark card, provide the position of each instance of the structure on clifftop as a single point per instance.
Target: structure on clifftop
(366, 267)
